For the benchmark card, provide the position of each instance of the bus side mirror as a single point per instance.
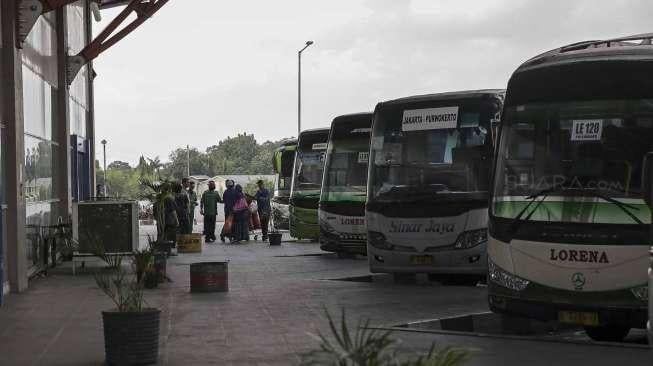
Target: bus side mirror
(647, 178)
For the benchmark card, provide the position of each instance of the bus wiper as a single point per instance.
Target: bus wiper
(534, 196)
(623, 206)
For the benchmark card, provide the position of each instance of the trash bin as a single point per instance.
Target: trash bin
(209, 277)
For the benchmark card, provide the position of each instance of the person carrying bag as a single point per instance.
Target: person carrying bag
(240, 212)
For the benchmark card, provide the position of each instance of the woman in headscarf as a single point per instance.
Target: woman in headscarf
(240, 211)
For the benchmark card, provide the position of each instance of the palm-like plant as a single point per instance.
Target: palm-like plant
(372, 347)
(157, 193)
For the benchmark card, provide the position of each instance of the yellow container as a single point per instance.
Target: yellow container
(189, 243)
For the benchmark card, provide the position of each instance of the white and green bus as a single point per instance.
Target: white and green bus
(283, 159)
(429, 173)
(307, 182)
(569, 230)
(344, 185)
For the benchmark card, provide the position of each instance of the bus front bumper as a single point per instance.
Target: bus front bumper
(547, 304)
(472, 261)
(353, 243)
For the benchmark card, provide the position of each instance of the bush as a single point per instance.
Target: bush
(372, 347)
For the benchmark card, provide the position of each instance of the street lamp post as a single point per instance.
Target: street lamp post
(188, 160)
(104, 153)
(299, 87)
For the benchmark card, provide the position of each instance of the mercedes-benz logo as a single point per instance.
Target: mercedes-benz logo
(578, 280)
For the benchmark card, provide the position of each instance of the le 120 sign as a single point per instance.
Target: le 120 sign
(587, 130)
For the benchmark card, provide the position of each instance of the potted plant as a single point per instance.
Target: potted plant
(142, 260)
(131, 329)
(151, 277)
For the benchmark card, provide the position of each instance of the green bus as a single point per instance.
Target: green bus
(344, 185)
(569, 230)
(283, 159)
(306, 183)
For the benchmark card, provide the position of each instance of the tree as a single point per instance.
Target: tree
(155, 165)
(119, 165)
(178, 165)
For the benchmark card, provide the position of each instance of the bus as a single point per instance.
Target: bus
(344, 186)
(306, 183)
(427, 192)
(283, 159)
(569, 229)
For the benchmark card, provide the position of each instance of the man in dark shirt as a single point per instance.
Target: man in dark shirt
(264, 209)
(229, 198)
(209, 208)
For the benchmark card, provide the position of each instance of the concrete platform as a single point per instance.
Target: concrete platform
(277, 297)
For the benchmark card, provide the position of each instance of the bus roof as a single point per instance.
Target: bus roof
(289, 142)
(464, 94)
(314, 131)
(636, 47)
(347, 118)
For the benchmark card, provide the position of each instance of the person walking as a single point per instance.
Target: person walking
(182, 204)
(185, 183)
(192, 196)
(209, 208)
(228, 198)
(240, 211)
(264, 208)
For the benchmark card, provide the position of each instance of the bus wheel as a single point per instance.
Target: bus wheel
(607, 333)
(404, 277)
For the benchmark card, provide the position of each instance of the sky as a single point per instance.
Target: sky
(202, 70)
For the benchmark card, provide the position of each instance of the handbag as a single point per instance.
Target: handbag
(253, 207)
(241, 205)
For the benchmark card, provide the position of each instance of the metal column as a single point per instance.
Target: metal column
(13, 154)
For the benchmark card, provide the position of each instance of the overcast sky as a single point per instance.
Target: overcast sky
(202, 70)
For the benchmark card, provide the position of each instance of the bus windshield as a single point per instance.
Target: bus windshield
(577, 161)
(412, 157)
(309, 163)
(346, 165)
(284, 178)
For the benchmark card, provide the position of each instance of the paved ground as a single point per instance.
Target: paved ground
(277, 296)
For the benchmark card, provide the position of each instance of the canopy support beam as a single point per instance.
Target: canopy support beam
(143, 9)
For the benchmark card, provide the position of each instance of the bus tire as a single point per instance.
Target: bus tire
(400, 277)
(607, 333)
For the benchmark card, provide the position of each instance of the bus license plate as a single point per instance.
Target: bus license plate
(578, 317)
(421, 259)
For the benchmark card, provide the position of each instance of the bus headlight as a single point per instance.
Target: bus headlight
(377, 240)
(324, 225)
(470, 239)
(505, 279)
(640, 292)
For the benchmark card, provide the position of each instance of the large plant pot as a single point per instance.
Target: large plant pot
(131, 338)
(160, 264)
(275, 238)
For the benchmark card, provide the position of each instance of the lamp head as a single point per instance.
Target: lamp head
(308, 43)
(103, 142)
